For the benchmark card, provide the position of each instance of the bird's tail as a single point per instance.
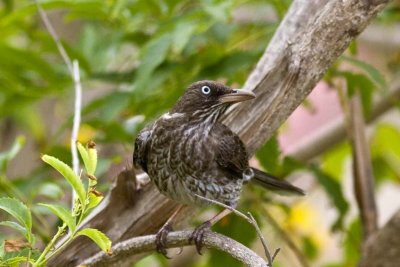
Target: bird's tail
(274, 184)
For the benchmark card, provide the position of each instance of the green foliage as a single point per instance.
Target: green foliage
(98, 237)
(5, 157)
(352, 244)
(21, 213)
(87, 199)
(73, 179)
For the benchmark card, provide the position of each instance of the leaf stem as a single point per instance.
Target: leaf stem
(50, 245)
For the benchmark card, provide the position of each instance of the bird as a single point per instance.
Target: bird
(187, 152)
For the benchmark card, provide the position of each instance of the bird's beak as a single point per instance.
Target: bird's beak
(237, 96)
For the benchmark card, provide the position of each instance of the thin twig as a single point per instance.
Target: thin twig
(54, 36)
(250, 219)
(297, 252)
(77, 117)
(74, 72)
(176, 239)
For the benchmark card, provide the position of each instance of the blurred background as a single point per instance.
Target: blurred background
(137, 57)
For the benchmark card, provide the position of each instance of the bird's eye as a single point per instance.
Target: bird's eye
(205, 90)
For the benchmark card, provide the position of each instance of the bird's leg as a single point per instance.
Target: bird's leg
(161, 236)
(198, 233)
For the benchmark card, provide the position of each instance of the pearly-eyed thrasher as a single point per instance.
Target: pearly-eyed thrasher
(187, 152)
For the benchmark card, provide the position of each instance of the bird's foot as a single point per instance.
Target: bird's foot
(198, 235)
(161, 239)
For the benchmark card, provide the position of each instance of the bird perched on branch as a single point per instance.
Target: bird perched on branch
(188, 153)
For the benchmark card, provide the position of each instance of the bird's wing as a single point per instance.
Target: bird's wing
(141, 148)
(231, 157)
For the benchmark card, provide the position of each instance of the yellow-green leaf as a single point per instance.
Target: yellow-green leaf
(63, 214)
(69, 174)
(94, 199)
(91, 168)
(84, 154)
(98, 237)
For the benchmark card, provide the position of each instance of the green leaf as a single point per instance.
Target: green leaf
(50, 190)
(94, 199)
(98, 237)
(372, 72)
(268, 155)
(334, 160)
(334, 191)
(84, 154)
(5, 157)
(182, 34)
(352, 244)
(63, 214)
(155, 53)
(361, 83)
(89, 157)
(20, 212)
(15, 226)
(92, 152)
(68, 174)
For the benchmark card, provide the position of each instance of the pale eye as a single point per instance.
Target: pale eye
(205, 90)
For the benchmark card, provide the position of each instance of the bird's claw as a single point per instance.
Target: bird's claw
(161, 240)
(198, 235)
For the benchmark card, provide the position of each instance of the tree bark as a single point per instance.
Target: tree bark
(310, 38)
(382, 249)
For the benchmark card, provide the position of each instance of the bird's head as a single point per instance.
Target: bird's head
(208, 98)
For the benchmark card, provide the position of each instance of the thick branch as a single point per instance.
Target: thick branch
(312, 35)
(143, 244)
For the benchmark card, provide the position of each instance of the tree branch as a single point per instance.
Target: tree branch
(335, 132)
(143, 244)
(362, 168)
(312, 35)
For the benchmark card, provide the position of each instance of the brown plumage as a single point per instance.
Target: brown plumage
(187, 152)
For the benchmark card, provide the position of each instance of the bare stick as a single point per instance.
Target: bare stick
(54, 36)
(250, 219)
(74, 71)
(77, 116)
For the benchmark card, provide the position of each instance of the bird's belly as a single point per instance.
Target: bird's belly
(187, 189)
(185, 169)
(174, 181)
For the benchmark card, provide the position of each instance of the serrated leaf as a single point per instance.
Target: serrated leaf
(63, 214)
(372, 72)
(19, 211)
(98, 237)
(15, 226)
(68, 174)
(335, 193)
